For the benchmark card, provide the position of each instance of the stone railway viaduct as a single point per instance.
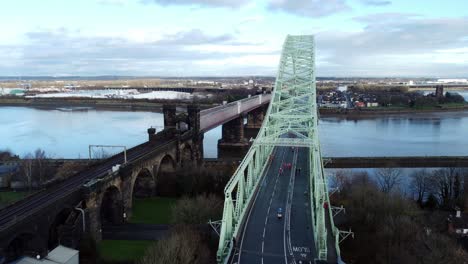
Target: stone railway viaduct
(104, 193)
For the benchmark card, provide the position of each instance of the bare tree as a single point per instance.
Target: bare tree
(183, 246)
(100, 153)
(388, 179)
(197, 210)
(69, 169)
(194, 180)
(361, 178)
(393, 230)
(340, 180)
(420, 185)
(26, 170)
(40, 170)
(34, 168)
(443, 183)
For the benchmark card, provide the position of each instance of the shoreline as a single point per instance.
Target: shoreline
(357, 113)
(152, 105)
(155, 105)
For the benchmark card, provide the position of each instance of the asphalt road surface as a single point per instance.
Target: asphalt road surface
(289, 239)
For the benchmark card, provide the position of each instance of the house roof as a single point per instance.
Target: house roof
(61, 254)
(460, 222)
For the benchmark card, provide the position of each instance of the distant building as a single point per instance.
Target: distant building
(26, 86)
(59, 255)
(359, 104)
(202, 82)
(6, 173)
(71, 86)
(452, 81)
(343, 88)
(458, 223)
(439, 91)
(332, 99)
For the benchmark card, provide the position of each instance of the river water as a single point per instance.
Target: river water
(428, 134)
(67, 134)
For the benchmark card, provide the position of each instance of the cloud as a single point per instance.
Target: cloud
(252, 19)
(209, 3)
(396, 44)
(376, 2)
(387, 44)
(114, 2)
(309, 8)
(195, 37)
(386, 18)
(189, 52)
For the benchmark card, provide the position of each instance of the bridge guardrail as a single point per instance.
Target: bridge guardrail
(261, 99)
(212, 117)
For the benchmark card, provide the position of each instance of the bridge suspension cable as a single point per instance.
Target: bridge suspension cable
(291, 120)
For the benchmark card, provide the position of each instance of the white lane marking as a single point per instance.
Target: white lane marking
(271, 200)
(287, 222)
(250, 212)
(301, 249)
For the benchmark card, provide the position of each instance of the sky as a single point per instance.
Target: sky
(354, 38)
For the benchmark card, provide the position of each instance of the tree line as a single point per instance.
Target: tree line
(395, 225)
(400, 96)
(37, 169)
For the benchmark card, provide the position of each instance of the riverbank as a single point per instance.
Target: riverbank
(364, 112)
(460, 87)
(155, 105)
(100, 103)
(396, 162)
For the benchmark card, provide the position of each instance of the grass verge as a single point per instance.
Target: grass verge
(122, 250)
(11, 197)
(155, 210)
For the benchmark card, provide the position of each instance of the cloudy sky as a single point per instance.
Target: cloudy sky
(231, 37)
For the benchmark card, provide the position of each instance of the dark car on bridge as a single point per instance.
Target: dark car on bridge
(279, 213)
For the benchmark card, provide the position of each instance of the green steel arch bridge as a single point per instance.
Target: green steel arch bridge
(277, 207)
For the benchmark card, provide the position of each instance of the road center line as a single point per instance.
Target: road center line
(287, 220)
(264, 180)
(271, 200)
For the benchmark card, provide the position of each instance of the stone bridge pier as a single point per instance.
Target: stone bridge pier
(170, 116)
(233, 143)
(109, 201)
(254, 121)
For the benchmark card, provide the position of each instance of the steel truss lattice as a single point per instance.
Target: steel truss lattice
(291, 120)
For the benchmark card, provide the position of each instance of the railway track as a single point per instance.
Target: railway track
(32, 204)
